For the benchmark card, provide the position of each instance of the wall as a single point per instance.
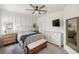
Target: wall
(0, 31)
(0, 22)
(52, 33)
(21, 22)
(45, 25)
(45, 22)
(70, 11)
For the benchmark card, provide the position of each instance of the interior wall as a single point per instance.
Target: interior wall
(21, 22)
(70, 11)
(0, 31)
(0, 24)
(0, 21)
(45, 23)
(52, 33)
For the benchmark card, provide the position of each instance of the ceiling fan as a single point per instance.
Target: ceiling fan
(37, 9)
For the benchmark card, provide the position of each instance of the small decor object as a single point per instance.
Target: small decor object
(35, 28)
(34, 25)
(8, 27)
(5, 31)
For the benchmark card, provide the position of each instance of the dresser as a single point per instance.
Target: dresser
(9, 38)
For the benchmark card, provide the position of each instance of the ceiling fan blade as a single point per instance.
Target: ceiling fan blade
(39, 12)
(42, 6)
(30, 9)
(32, 6)
(33, 12)
(43, 10)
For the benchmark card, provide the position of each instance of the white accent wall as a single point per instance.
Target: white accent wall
(0, 24)
(21, 22)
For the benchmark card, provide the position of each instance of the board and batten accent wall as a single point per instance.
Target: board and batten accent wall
(21, 22)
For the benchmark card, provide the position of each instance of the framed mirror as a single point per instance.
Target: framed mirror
(72, 33)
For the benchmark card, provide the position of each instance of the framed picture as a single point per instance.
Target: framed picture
(8, 26)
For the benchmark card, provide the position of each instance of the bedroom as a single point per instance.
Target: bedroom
(16, 20)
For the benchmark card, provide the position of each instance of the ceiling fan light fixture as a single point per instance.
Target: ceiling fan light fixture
(37, 9)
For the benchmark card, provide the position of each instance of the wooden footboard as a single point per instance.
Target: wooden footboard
(37, 48)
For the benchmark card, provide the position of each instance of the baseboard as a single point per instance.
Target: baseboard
(53, 44)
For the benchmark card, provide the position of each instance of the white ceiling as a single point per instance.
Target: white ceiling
(21, 8)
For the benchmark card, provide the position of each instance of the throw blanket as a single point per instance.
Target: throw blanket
(23, 37)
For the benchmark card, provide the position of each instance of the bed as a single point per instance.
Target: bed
(20, 34)
(25, 38)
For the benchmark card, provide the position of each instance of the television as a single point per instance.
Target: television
(56, 22)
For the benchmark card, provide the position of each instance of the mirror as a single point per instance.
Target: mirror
(71, 27)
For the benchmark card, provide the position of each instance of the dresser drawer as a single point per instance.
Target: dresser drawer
(9, 38)
(9, 42)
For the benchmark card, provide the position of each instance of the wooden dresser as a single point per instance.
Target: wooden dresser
(9, 38)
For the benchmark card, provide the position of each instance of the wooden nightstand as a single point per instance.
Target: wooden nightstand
(9, 38)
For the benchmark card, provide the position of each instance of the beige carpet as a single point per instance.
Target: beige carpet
(16, 49)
